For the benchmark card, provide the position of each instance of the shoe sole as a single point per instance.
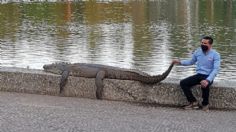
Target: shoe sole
(187, 108)
(196, 107)
(206, 110)
(192, 108)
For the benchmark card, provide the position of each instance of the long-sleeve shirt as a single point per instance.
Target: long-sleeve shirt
(206, 63)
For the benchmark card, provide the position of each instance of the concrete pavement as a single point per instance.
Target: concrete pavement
(42, 113)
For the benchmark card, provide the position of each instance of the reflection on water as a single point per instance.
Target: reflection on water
(144, 35)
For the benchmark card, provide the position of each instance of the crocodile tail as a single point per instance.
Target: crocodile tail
(167, 72)
(158, 78)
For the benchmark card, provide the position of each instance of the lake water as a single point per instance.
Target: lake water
(144, 35)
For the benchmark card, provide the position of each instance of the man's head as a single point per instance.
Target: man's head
(206, 43)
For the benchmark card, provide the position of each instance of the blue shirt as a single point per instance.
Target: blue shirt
(206, 63)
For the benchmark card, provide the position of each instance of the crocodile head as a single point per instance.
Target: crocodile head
(56, 68)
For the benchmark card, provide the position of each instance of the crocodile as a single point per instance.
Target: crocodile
(99, 72)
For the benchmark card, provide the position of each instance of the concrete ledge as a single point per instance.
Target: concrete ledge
(168, 92)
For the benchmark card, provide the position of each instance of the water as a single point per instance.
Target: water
(144, 35)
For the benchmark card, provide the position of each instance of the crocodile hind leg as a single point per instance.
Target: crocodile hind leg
(99, 84)
(64, 78)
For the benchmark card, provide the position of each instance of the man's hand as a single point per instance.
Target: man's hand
(176, 62)
(204, 83)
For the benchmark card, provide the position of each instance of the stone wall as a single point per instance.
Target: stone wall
(168, 92)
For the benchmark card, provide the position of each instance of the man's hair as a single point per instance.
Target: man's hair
(210, 39)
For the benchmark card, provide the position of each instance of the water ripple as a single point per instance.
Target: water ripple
(137, 35)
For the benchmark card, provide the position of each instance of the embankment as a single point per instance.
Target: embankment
(168, 92)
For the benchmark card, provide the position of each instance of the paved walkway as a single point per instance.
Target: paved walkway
(41, 113)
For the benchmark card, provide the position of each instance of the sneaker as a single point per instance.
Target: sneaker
(205, 108)
(193, 105)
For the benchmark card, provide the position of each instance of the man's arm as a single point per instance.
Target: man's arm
(216, 68)
(191, 61)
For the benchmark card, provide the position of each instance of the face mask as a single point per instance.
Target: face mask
(204, 48)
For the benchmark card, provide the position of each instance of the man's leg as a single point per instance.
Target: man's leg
(186, 85)
(205, 95)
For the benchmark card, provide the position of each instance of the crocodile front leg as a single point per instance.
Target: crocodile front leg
(63, 81)
(99, 84)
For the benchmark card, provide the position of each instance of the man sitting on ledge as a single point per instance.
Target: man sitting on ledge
(207, 63)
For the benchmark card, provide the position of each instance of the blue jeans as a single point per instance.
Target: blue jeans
(187, 83)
